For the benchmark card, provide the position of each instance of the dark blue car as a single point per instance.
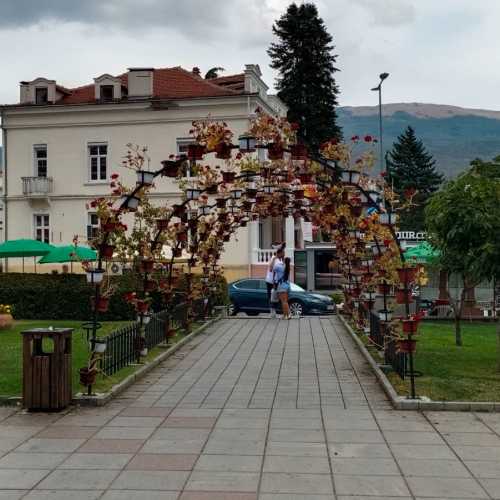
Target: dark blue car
(250, 296)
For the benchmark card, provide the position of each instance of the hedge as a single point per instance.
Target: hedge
(67, 296)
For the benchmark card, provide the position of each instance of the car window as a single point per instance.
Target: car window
(248, 284)
(296, 288)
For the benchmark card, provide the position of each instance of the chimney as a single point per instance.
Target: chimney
(140, 82)
(196, 71)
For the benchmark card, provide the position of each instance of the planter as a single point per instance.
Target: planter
(196, 152)
(170, 169)
(385, 315)
(88, 376)
(406, 346)
(223, 151)
(95, 277)
(102, 304)
(407, 274)
(410, 326)
(179, 210)
(403, 297)
(298, 152)
(145, 178)
(275, 151)
(106, 251)
(228, 177)
(162, 224)
(176, 252)
(6, 321)
(305, 178)
(220, 202)
(247, 205)
(251, 192)
(146, 266)
(108, 227)
(182, 236)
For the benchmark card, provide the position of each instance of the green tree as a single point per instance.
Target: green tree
(411, 167)
(303, 55)
(463, 222)
(213, 72)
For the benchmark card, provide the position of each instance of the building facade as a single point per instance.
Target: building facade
(60, 147)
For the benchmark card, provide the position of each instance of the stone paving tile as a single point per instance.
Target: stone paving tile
(347, 450)
(307, 465)
(434, 468)
(446, 487)
(418, 451)
(124, 433)
(217, 495)
(492, 486)
(190, 422)
(18, 431)
(111, 446)
(365, 466)
(50, 445)
(62, 495)
(136, 421)
(158, 461)
(472, 438)
(67, 432)
(291, 496)
(229, 463)
(478, 452)
(413, 437)
(244, 482)
(137, 494)
(360, 436)
(16, 460)
(386, 486)
(145, 412)
(484, 469)
(21, 478)
(111, 461)
(150, 480)
(12, 494)
(186, 446)
(296, 483)
(78, 479)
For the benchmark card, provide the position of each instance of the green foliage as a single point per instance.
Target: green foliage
(411, 167)
(67, 296)
(337, 297)
(303, 56)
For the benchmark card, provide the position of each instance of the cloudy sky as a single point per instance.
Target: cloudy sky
(439, 51)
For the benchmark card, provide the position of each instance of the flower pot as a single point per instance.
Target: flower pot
(275, 151)
(406, 346)
(182, 236)
(162, 224)
(407, 274)
(145, 178)
(106, 251)
(228, 176)
(108, 227)
(385, 315)
(223, 151)
(403, 297)
(176, 252)
(6, 321)
(212, 189)
(141, 306)
(220, 202)
(410, 326)
(196, 152)
(146, 266)
(179, 210)
(88, 376)
(265, 173)
(170, 169)
(298, 152)
(384, 288)
(251, 192)
(149, 285)
(102, 304)
(305, 178)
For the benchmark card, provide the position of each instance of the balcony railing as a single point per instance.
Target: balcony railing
(263, 255)
(37, 186)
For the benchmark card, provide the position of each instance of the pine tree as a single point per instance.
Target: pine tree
(411, 167)
(304, 57)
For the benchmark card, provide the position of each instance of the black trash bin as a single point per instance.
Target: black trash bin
(47, 368)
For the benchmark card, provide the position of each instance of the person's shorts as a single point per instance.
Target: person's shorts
(283, 287)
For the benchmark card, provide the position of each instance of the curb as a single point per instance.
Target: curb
(402, 403)
(102, 399)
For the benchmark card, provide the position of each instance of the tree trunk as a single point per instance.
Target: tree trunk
(498, 344)
(456, 306)
(458, 331)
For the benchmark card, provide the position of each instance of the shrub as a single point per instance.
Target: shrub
(337, 297)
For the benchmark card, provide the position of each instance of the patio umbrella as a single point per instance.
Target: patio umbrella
(423, 253)
(68, 253)
(24, 248)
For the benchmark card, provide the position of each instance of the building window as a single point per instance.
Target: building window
(41, 95)
(42, 228)
(182, 149)
(92, 226)
(107, 93)
(98, 164)
(40, 155)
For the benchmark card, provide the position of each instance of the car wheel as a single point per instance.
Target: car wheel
(232, 309)
(252, 313)
(296, 308)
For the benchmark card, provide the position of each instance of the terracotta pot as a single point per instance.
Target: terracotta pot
(228, 177)
(170, 169)
(403, 297)
(406, 345)
(106, 251)
(305, 178)
(102, 304)
(107, 227)
(162, 224)
(299, 152)
(221, 202)
(410, 326)
(182, 236)
(196, 152)
(6, 321)
(212, 189)
(223, 151)
(88, 376)
(407, 274)
(275, 151)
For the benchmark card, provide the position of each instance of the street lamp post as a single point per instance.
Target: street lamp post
(378, 89)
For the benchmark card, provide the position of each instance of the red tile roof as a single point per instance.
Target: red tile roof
(169, 83)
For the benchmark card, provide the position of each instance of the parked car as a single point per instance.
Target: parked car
(250, 296)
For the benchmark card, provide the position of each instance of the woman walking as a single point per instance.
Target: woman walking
(277, 257)
(282, 284)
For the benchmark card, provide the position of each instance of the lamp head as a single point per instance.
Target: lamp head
(383, 76)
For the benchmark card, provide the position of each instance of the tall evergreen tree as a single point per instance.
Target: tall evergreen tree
(411, 167)
(303, 55)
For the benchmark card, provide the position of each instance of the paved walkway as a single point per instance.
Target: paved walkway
(253, 409)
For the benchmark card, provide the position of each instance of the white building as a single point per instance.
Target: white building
(61, 146)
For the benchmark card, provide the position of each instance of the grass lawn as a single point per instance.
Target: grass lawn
(452, 373)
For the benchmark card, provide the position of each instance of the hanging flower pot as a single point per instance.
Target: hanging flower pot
(106, 251)
(196, 152)
(162, 224)
(407, 274)
(176, 252)
(384, 288)
(220, 202)
(251, 192)
(211, 189)
(228, 176)
(109, 226)
(170, 169)
(146, 266)
(275, 151)
(265, 172)
(179, 210)
(385, 315)
(149, 285)
(102, 304)
(88, 376)
(182, 236)
(406, 346)
(305, 178)
(403, 297)
(410, 326)
(223, 151)
(247, 205)
(145, 178)
(298, 152)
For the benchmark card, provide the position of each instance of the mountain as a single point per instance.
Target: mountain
(453, 135)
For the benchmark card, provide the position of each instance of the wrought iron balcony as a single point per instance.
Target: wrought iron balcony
(37, 186)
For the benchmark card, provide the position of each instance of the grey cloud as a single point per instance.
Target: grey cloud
(389, 12)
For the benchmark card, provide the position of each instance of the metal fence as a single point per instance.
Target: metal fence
(121, 344)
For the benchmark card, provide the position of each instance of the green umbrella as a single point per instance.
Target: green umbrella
(68, 253)
(24, 248)
(422, 253)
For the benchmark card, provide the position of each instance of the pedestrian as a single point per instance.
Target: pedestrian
(282, 284)
(277, 257)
